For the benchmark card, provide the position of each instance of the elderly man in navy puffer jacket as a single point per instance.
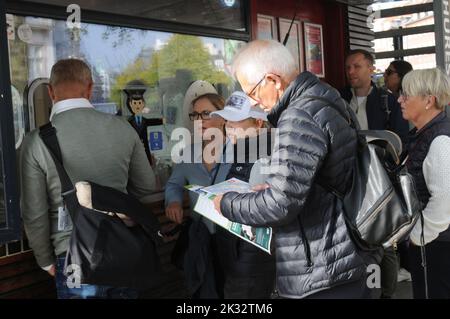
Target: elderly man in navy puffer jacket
(315, 255)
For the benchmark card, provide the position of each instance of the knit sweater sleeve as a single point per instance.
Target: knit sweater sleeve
(436, 170)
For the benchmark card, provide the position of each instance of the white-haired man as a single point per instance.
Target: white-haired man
(98, 147)
(316, 257)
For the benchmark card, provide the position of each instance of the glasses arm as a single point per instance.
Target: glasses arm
(257, 84)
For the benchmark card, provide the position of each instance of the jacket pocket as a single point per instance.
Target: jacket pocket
(305, 242)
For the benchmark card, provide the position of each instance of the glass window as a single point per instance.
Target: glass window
(226, 14)
(162, 64)
(421, 40)
(2, 195)
(18, 113)
(423, 61)
(383, 45)
(382, 64)
(10, 225)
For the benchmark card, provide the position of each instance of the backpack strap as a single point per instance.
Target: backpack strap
(385, 107)
(351, 119)
(48, 135)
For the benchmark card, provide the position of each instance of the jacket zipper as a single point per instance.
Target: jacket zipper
(306, 247)
(399, 234)
(379, 208)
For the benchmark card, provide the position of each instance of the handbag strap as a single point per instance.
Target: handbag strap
(423, 255)
(48, 135)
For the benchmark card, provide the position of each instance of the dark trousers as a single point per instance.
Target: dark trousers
(249, 273)
(212, 286)
(402, 253)
(353, 290)
(438, 270)
(257, 287)
(389, 271)
(219, 272)
(84, 291)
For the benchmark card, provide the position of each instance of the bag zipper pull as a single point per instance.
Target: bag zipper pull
(394, 245)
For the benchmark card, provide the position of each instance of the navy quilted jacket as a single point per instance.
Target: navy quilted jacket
(313, 249)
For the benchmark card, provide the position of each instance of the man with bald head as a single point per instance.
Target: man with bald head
(95, 147)
(315, 255)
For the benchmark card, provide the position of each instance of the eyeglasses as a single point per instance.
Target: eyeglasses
(403, 95)
(250, 94)
(389, 72)
(205, 115)
(256, 86)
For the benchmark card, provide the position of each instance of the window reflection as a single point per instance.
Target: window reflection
(2, 195)
(166, 63)
(18, 113)
(227, 14)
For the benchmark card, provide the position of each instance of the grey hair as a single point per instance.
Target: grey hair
(260, 57)
(70, 71)
(428, 82)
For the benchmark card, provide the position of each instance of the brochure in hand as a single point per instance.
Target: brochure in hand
(261, 237)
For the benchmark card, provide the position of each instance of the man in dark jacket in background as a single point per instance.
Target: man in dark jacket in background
(315, 256)
(376, 109)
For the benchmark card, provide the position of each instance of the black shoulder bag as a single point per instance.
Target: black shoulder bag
(103, 250)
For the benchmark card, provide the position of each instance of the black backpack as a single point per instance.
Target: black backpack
(103, 250)
(381, 207)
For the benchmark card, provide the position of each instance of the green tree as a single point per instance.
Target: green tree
(136, 70)
(181, 52)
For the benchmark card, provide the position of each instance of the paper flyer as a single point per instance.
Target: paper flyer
(261, 237)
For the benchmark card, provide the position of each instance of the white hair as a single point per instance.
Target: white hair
(428, 82)
(260, 57)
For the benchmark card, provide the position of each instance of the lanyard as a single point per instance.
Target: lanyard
(215, 174)
(219, 166)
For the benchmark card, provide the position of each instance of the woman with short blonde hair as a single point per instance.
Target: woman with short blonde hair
(428, 82)
(423, 99)
(200, 261)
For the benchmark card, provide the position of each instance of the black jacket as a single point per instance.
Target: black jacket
(379, 103)
(239, 258)
(198, 263)
(419, 145)
(313, 249)
(141, 130)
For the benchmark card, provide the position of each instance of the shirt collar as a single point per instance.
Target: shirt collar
(415, 133)
(69, 104)
(354, 95)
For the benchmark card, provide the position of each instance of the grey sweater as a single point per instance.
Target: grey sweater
(98, 147)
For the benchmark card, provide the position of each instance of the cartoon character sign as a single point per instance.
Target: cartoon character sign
(135, 102)
(135, 91)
